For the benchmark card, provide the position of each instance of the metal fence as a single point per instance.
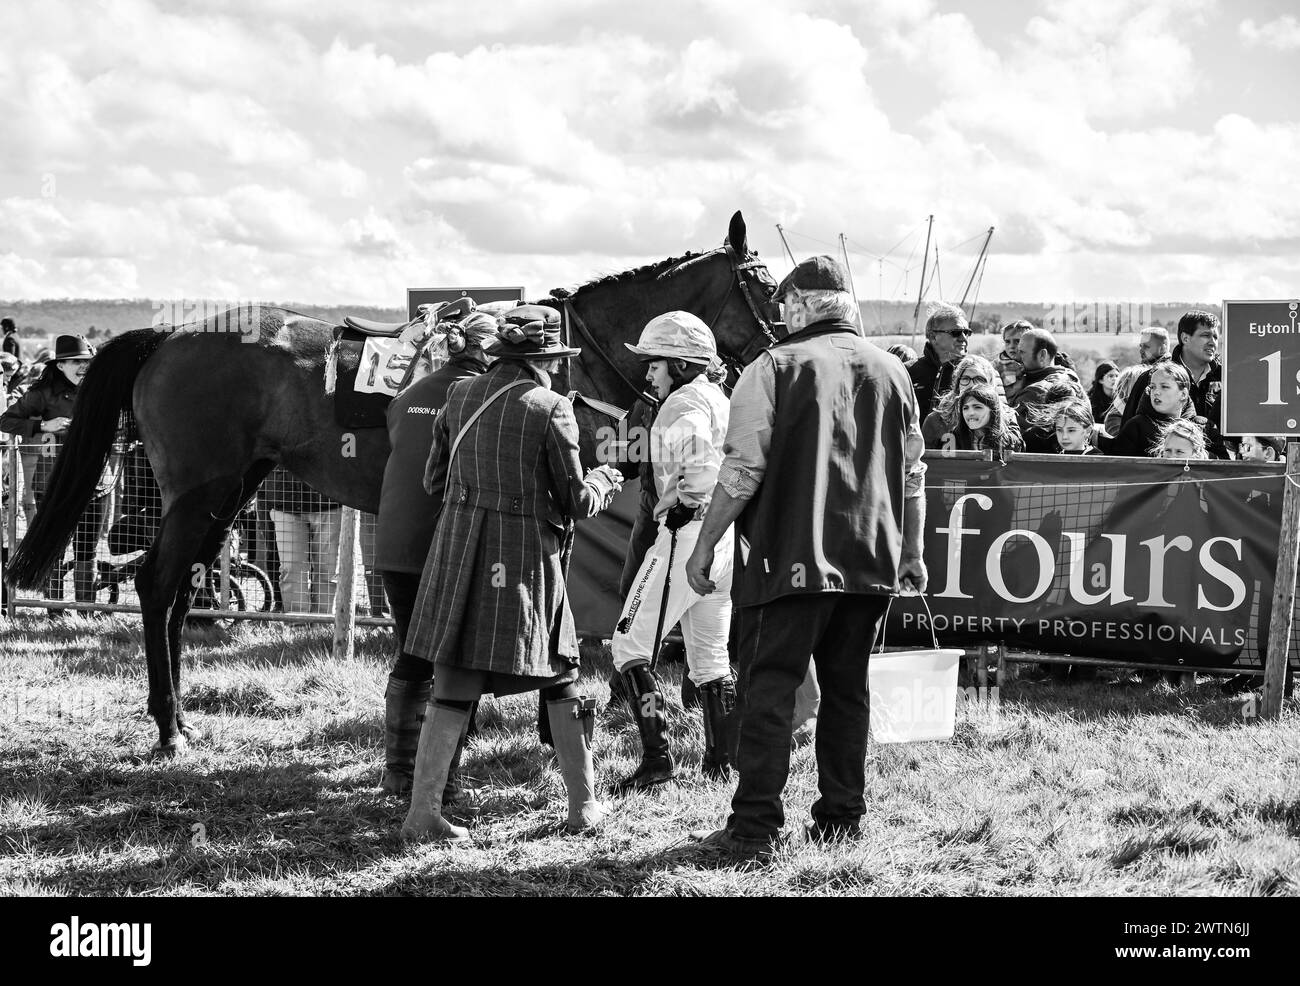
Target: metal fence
(281, 560)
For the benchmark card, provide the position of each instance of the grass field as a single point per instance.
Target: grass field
(1112, 788)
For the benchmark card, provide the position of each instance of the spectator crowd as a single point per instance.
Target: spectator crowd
(1166, 404)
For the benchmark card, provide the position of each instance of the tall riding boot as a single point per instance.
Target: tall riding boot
(718, 703)
(404, 705)
(652, 720)
(454, 789)
(572, 723)
(439, 738)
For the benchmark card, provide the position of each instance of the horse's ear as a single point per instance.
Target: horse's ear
(736, 234)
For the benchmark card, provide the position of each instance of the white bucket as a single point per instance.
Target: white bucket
(913, 695)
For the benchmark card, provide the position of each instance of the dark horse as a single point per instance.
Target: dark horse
(217, 410)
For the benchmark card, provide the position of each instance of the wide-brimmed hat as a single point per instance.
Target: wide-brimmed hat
(676, 335)
(821, 273)
(529, 332)
(72, 347)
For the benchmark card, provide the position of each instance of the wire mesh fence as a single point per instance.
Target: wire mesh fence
(281, 557)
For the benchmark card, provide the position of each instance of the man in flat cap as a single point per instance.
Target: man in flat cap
(822, 475)
(492, 615)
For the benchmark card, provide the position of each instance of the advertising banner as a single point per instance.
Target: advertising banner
(1138, 560)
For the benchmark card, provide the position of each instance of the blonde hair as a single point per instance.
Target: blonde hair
(1124, 385)
(1189, 431)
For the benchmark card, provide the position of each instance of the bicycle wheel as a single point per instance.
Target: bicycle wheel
(255, 585)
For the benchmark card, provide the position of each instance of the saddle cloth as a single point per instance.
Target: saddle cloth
(364, 372)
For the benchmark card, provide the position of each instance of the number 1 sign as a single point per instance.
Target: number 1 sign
(1261, 367)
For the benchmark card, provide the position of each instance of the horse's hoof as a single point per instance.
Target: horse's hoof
(165, 751)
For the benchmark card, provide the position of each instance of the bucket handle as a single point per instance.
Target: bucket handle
(885, 620)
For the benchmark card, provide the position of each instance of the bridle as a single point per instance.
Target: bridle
(765, 336)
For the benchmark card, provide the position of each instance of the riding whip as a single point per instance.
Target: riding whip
(663, 602)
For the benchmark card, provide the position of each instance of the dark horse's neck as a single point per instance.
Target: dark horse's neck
(613, 310)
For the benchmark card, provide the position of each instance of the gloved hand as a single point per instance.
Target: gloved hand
(605, 481)
(679, 515)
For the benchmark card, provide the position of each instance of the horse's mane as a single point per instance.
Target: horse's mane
(635, 274)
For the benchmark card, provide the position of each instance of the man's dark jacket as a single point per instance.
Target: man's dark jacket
(407, 515)
(828, 514)
(930, 379)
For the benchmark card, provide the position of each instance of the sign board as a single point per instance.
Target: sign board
(1261, 367)
(415, 297)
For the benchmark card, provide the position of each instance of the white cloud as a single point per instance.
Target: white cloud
(1280, 34)
(325, 151)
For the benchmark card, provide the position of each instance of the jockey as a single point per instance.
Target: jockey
(686, 439)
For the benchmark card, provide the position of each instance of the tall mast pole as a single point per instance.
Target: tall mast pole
(920, 293)
(844, 247)
(781, 233)
(880, 296)
(975, 269)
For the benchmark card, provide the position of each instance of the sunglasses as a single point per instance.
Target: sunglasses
(958, 333)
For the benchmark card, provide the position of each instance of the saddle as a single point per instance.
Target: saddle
(369, 362)
(367, 327)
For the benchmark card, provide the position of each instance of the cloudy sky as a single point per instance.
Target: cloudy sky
(333, 152)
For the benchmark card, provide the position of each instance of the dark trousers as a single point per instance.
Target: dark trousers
(401, 589)
(775, 642)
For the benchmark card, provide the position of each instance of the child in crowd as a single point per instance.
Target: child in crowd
(1074, 427)
(1114, 416)
(980, 420)
(1102, 393)
(1180, 439)
(1169, 394)
(969, 371)
(1261, 448)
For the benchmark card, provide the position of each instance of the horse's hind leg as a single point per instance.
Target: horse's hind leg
(217, 533)
(164, 575)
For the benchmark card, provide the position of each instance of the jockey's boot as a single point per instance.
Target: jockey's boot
(444, 725)
(404, 706)
(718, 703)
(572, 724)
(652, 721)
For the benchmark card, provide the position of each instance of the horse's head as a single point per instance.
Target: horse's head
(729, 288)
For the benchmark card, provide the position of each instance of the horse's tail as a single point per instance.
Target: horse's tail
(104, 392)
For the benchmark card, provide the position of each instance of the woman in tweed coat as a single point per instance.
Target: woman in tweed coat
(492, 614)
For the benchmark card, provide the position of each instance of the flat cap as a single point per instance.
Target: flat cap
(820, 273)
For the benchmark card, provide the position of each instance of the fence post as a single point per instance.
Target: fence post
(224, 603)
(1279, 631)
(344, 611)
(11, 519)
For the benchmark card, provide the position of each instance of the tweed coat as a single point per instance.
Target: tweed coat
(492, 596)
